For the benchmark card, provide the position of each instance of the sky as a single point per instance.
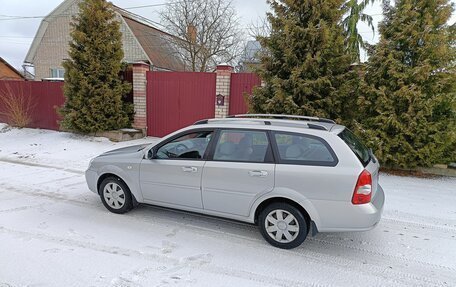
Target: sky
(16, 35)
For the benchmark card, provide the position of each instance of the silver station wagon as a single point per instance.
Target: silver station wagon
(291, 175)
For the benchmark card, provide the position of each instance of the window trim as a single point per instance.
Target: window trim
(269, 156)
(279, 160)
(57, 70)
(181, 134)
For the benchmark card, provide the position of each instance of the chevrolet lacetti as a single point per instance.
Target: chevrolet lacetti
(291, 175)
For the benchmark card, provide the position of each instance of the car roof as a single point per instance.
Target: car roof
(274, 122)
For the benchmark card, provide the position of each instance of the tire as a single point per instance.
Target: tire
(287, 233)
(115, 195)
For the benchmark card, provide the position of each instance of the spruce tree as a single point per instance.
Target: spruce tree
(93, 90)
(353, 39)
(304, 66)
(409, 102)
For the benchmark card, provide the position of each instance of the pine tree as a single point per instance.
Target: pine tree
(304, 66)
(93, 90)
(410, 100)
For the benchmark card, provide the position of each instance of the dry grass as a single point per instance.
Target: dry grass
(409, 173)
(17, 105)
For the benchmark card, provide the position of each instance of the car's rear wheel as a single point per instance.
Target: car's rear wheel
(283, 225)
(115, 195)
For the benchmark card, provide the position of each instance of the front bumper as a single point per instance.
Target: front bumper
(91, 179)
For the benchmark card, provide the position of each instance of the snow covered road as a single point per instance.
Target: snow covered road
(55, 232)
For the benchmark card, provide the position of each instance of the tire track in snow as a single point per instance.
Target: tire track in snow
(420, 225)
(314, 256)
(211, 233)
(53, 196)
(219, 234)
(390, 257)
(178, 263)
(33, 164)
(21, 208)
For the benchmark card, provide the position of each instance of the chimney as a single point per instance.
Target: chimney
(191, 33)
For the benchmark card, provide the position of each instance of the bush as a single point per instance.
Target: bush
(17, 106)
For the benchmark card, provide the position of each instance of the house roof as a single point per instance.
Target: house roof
(251, 52)
(11, 67)
(156, 44)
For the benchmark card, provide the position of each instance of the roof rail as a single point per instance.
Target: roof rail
(257, 120)
(201, 122)
(303, 118)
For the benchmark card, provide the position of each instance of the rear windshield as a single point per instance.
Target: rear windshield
(356, 146)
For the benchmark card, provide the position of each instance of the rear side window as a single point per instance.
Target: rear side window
(304, 149)
(243, 146)
(356, 146)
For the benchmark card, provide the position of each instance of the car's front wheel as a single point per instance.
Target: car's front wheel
(283, 225)
(115, 195)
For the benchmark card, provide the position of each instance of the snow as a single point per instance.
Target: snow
(55, 232)
(56, 149)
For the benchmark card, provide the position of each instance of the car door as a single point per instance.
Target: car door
(240, 169)
(173, 174)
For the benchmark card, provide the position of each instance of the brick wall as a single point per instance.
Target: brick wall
(223, 81)
(140, 95)
(7, 74)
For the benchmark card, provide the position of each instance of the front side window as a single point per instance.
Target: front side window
(243, 146)
(304, 149)
(189, 146)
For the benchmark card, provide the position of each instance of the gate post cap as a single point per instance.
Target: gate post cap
(140, 63)
(224, 67)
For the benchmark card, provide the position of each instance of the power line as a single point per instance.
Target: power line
(16, 17)
(152, 5)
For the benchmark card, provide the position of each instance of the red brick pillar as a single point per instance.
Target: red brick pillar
(223, 81)
(140, 95)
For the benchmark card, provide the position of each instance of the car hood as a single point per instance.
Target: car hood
(126, 150)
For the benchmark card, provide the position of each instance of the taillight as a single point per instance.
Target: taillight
(363, 188)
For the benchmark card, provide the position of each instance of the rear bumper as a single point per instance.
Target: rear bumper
(91, 179)
(339, 216)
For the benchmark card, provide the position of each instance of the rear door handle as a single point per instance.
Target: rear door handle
(189, 169)
(258, 173)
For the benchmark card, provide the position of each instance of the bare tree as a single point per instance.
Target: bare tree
(260, 28)
(209, 32)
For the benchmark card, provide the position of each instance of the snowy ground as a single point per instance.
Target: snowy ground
(55, 232)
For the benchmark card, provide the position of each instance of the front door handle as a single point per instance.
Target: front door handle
(258, 173)
(189, 169)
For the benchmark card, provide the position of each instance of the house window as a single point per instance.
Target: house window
(57, 72)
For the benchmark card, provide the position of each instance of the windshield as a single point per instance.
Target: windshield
(356, 146)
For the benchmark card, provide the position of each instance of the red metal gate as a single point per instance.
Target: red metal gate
(178, 99)
(241, 83)
(40, 99)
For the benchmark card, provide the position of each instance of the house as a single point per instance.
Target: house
(8, 72)
(250, 58)
(142, 42)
